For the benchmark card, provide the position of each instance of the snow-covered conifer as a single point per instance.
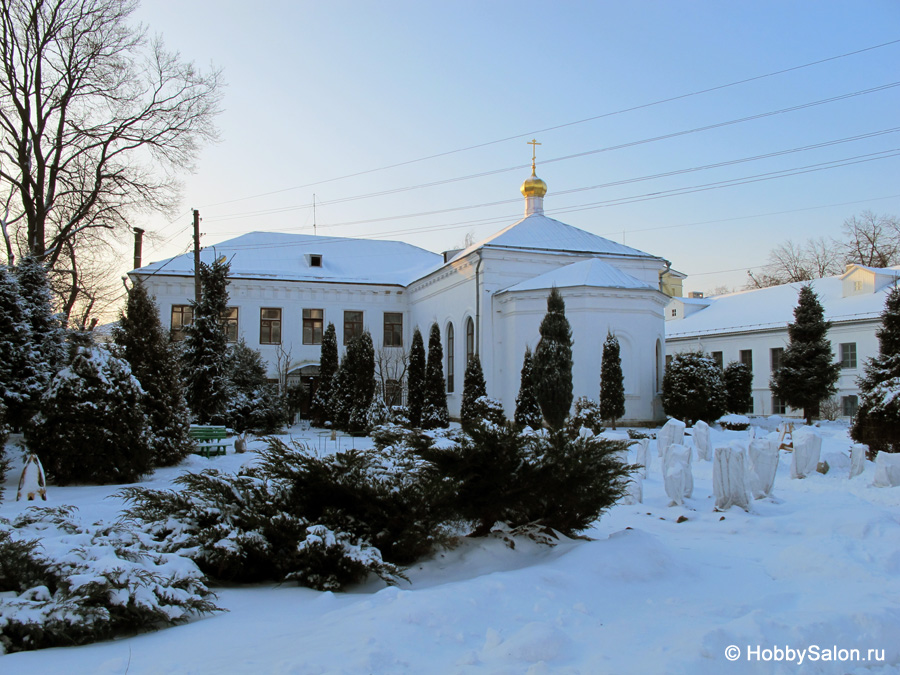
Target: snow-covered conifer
(253, 403)
(808, 373)
(205, 346)
(528, 410)
(360, 361)
(320, 410)
(612, 387)
(552, 365)
(91, 426)
(21, 374)
(877, 422)
(473, 389)
(738, 387)
(143, 343)
(693, 388)
(47, 327)
(434, 412)
(415, 379)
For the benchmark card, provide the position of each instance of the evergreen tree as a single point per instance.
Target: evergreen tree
(552, 365)
(320, 410)
(360, 362)
(877, 422)
(807, 375)
(91, 427)
(4, 435)
(738, 387)
(612, 387)
(47, 328)
(528, 410)
(253, 403)
(205, 346)
(415, 379)
(143, 343)
(21, 375)
(473, 389)
(434, 412)
(693, 388)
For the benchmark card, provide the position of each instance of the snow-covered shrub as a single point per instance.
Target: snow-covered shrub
(486, 411)
(730, 478)
(734, 422)
(324, 521)
(91, 426)
(378, 412)
(550, 479)
(738, 378)
(677, 474)
(528, 410)
(672, 433)
(635, 435)
(586, 414)
(700, 434)
(693, 388)
(473, 389)
(807, 449)
(252, 404)
(4, 460)
(64, 583)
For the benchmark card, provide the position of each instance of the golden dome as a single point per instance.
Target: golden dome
(534, 187)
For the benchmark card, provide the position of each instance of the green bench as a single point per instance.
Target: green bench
(209, 439)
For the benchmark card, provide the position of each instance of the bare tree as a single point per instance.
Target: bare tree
(390, 366)
(871, 239)
(95, 122)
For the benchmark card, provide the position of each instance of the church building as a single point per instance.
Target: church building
(487, 299)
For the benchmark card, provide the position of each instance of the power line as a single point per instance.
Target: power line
(621, 146)
(563, 125)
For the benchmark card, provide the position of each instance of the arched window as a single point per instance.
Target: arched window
(449, 358)
(470, 338)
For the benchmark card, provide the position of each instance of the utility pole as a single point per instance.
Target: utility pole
(197, 256)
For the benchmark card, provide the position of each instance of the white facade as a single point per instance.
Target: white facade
(752, 326)
(494, 293)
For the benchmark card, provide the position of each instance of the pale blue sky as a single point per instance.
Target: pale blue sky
(318, 91)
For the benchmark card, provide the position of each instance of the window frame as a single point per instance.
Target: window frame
(745, 356)
(310, 324)
(359, 326)
(850, 403)
(719, 358)
(848, 355)
(230, 318)
(778, 406)
(450, 360)
(271, 325)
(775, 361)
(392, 330)
(470, 338)
(177, 333)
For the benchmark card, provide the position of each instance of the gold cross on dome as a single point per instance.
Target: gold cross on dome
(533, 143)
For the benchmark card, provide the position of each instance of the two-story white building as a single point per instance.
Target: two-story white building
(751, 327)
(488, 298)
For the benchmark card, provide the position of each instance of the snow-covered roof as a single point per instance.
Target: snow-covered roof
(276, 255)
(773, 307)
(593, 272)
(538, 232)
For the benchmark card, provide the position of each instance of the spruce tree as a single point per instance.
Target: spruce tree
(320, 410)
(877, 422)
(4, 435)
(738, 387)
(693, 388)
(143, 343)
(528, 410)
(473, 389)
(808, 374)
(253, 403)
(415, 379)
(612, 387)
(47, 328)
(203, 358)
(91, 427)
(21, 376)
(552, 365)
(434, 412)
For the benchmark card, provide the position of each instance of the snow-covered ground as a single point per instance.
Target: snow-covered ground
(815, 568)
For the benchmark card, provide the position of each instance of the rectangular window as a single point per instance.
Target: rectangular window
(849, 405)
(393, 329)
(674, 312)
(848, 355)
(776, 354)
(717, 357)
(353, 325)
(182, 315)
(778, 406)
(270, 326)
(230, 324)
(312, 326)
(747, 358)
(668, 360)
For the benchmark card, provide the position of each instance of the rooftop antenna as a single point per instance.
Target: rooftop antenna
(314, 214)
